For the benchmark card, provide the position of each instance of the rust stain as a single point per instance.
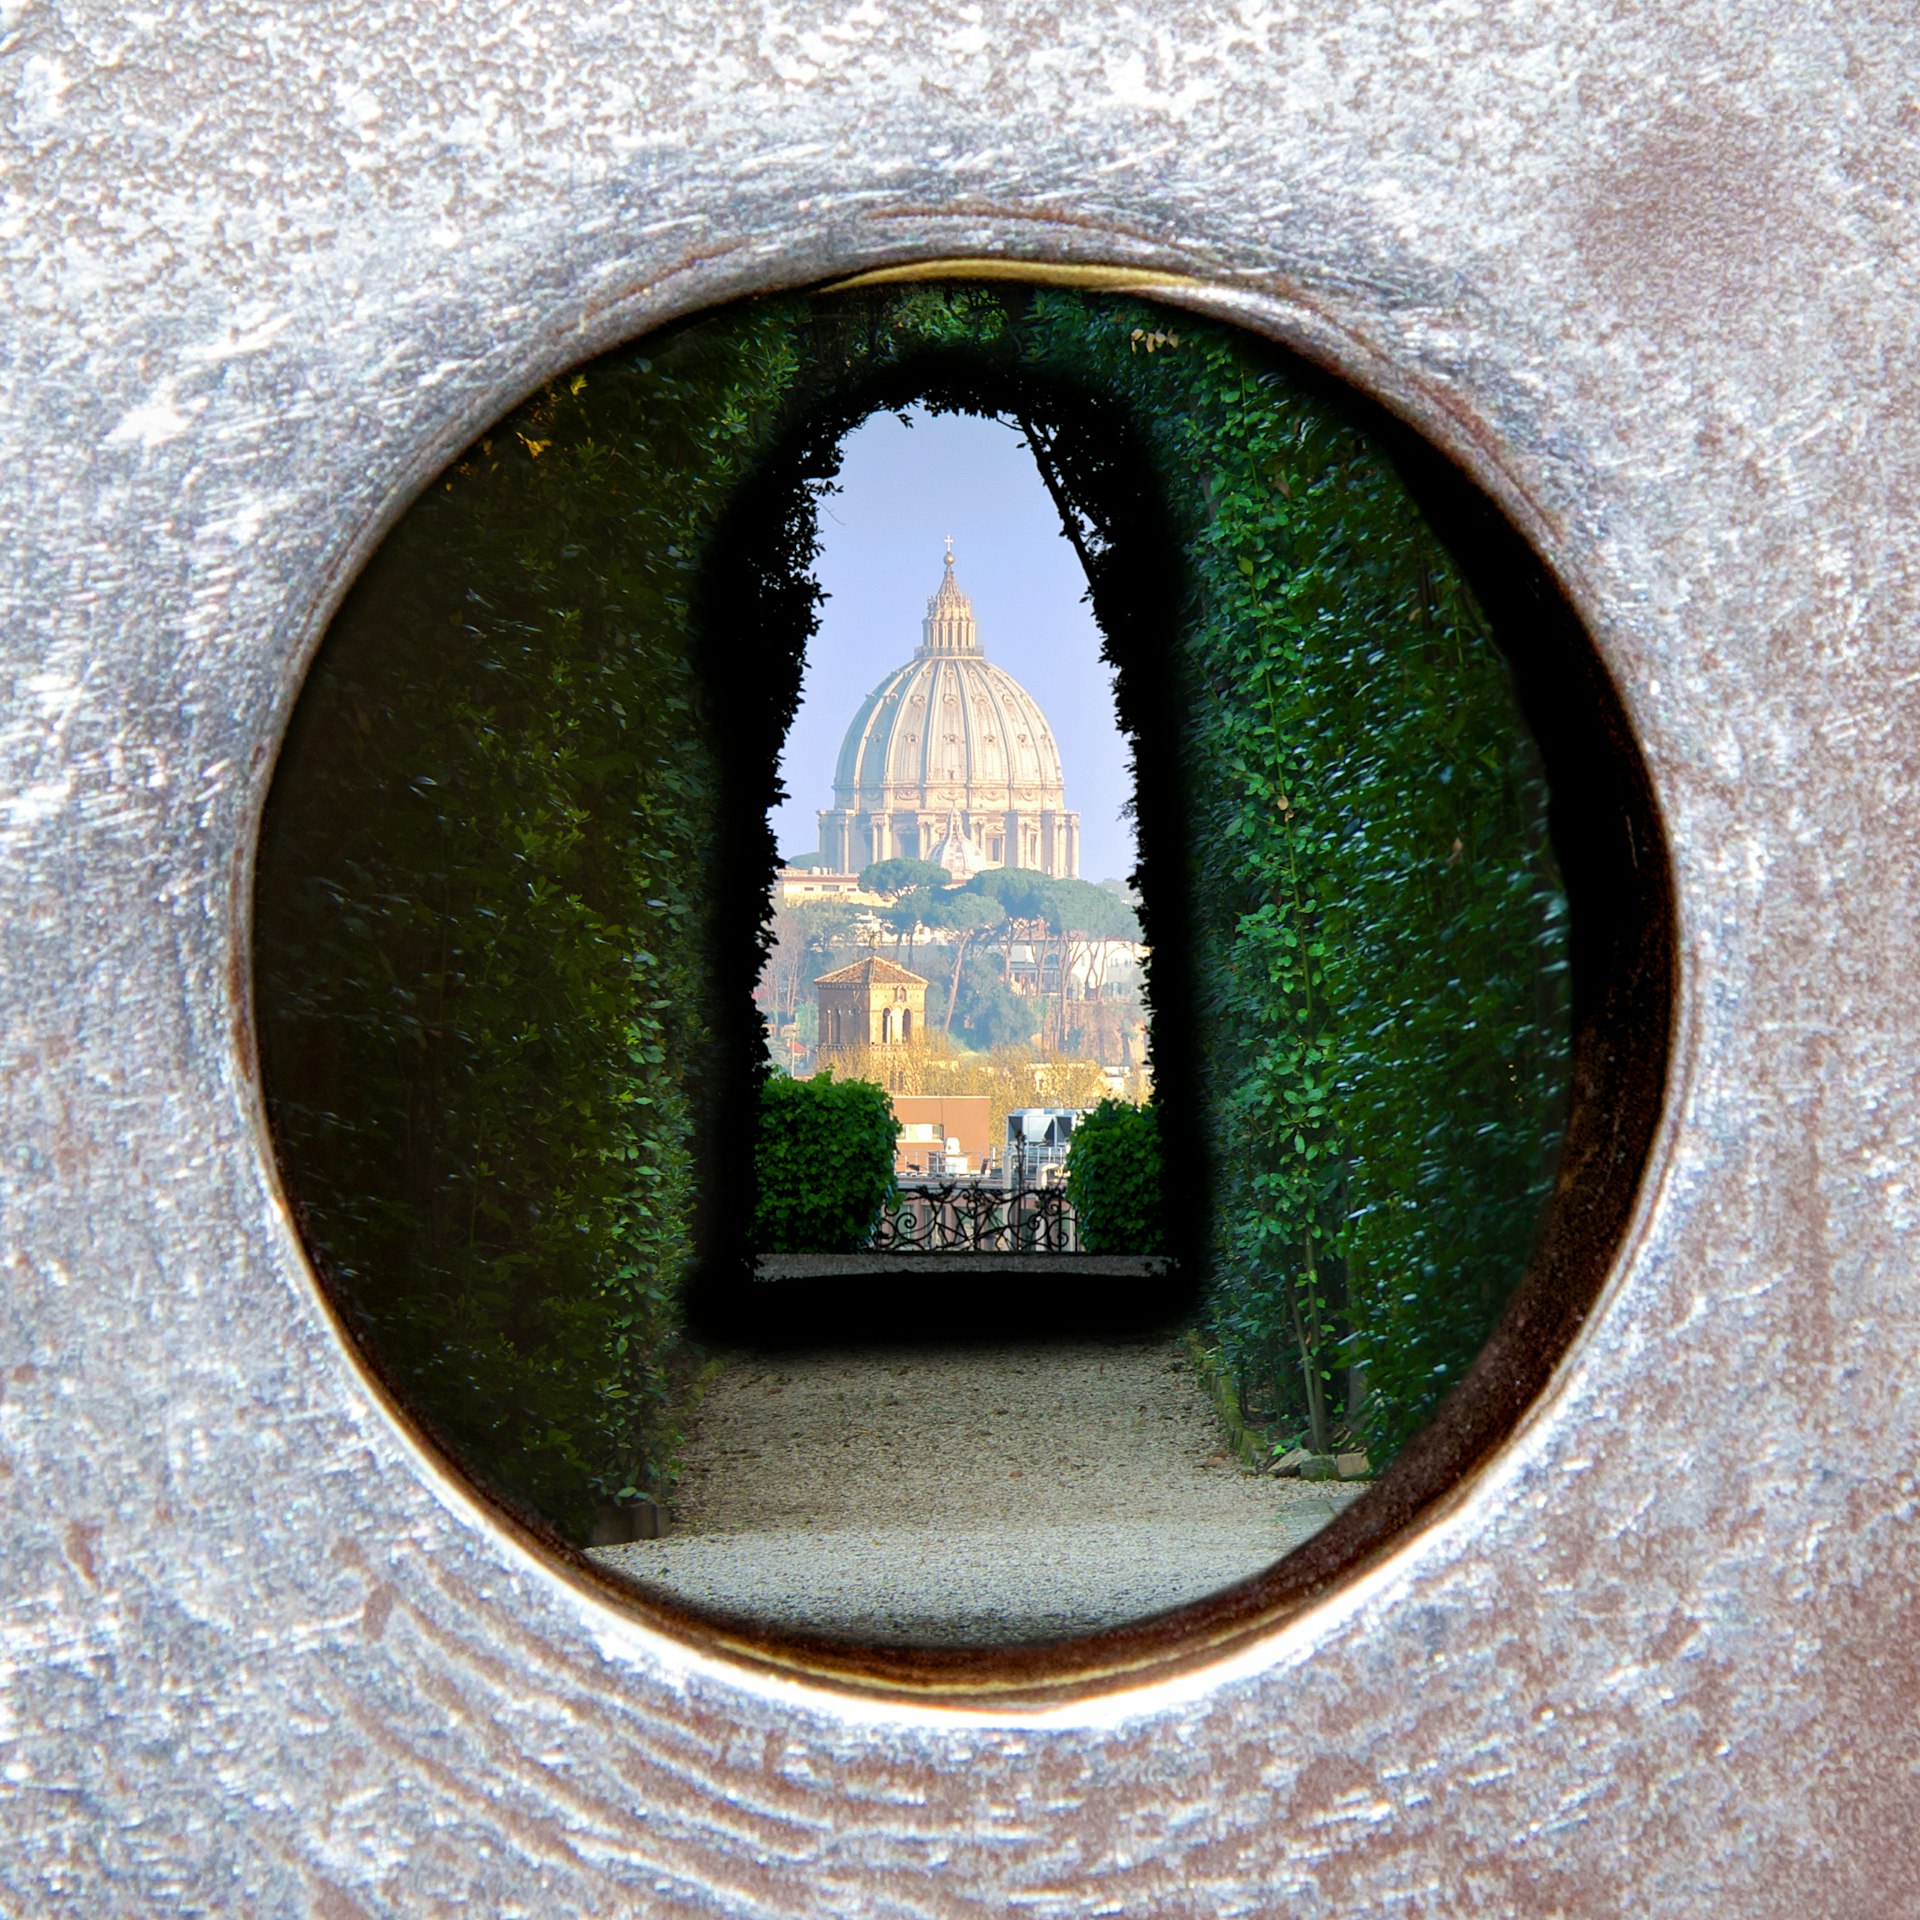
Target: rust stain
(82, 1536)
(1697, 222)
(374, 1615)
(331, 1902)
(540, 1839)
(240, 995)
(692, 261)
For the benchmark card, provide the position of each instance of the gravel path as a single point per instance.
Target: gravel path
(990, 1495)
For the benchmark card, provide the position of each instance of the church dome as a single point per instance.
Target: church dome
(949, 729)
(951, 741)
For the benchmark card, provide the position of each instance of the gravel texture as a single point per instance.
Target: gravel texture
(983, 1496)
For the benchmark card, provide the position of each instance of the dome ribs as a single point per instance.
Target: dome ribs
(950, 733)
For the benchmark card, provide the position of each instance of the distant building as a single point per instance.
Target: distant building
(950, 758)
(942, 1134)
(957, 852)
(872, 1003)
(816, 883)
(1038, 1141)
(1095, 968)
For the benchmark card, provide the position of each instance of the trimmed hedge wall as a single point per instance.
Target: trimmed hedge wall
(1376, 926)
(485, 923)
(823, 1164)
(512, 876)
(1115, 1180)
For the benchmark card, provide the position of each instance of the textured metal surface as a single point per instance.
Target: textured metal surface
(1648, 270)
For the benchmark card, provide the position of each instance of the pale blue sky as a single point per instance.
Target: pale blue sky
(902, 491)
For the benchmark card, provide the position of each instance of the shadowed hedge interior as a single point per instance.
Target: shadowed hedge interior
(513, 878)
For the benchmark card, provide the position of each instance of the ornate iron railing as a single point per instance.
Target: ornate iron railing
(967, 1216)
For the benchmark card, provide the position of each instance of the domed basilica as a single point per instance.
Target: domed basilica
(950, 759)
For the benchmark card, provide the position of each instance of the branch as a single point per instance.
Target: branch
(1042, 450)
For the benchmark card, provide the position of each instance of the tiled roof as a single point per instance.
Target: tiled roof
(873, 972)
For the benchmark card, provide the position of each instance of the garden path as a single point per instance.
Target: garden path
(966, 1497)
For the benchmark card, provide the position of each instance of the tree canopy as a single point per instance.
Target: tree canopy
(1067, 906)
(900, 875)
(955, 911)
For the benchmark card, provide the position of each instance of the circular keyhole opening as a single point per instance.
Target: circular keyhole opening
(900, 1255)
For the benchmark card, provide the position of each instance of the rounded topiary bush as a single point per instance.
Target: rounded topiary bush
(1113, 1180)
(823, 1164)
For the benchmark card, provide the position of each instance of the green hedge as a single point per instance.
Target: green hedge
(823, 1164)
(1378, 930)
(484, 923)
(493, 963)
(1115, 1180)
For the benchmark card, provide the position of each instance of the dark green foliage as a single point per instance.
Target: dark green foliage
(482, 925)
(956, 910)
(826, 925)
(1377, 922)
(1067, 906)
(989, 1014)
(823, 1164)
(1114, 1179)
(503, 924)
(903, 875)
